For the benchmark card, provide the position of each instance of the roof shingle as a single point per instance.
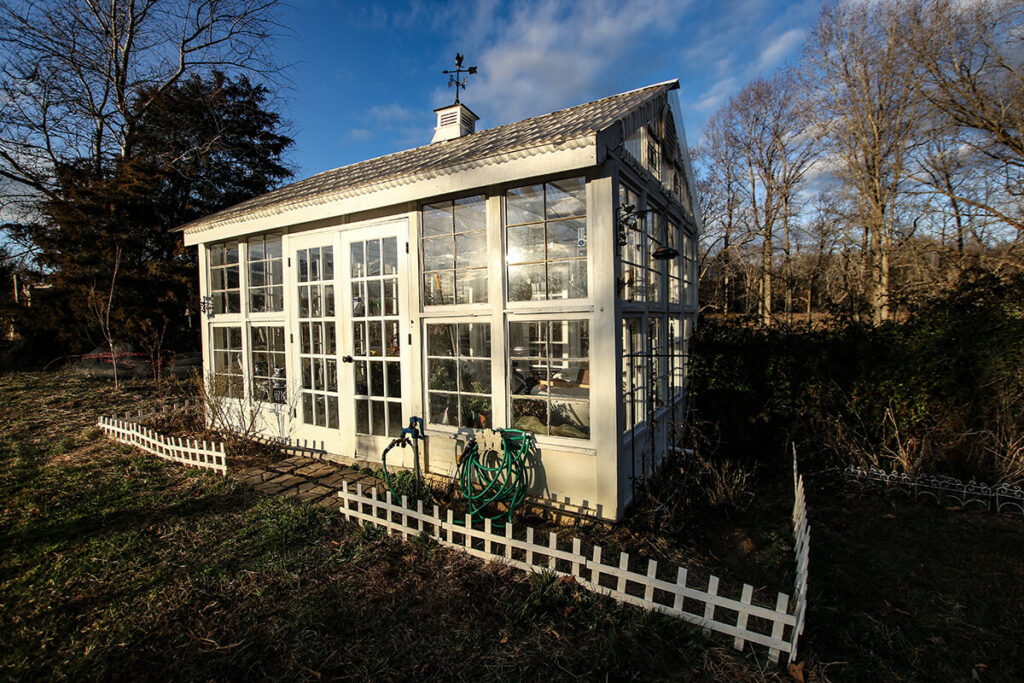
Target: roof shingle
(548, 129)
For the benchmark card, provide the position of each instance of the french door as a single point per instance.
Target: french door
(376, 353)
(316, 325)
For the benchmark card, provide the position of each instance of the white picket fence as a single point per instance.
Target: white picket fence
(802, 551)
(774, 628)
(203, 454)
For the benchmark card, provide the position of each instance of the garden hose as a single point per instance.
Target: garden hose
(490, 479)
(487, 479)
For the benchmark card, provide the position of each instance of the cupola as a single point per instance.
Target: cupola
(454, 121)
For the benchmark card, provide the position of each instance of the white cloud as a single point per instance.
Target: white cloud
(539, 57)
(779, 49)
(360, 134)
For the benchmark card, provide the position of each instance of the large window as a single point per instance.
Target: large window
(549, 378)
(459, 374)
(455, 252)
(224, 283)
(632, 278)
(674, 278)
(269, 383)
(227, 362)
(266, 276)
(546, 241)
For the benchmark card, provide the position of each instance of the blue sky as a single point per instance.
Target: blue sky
(365, 77)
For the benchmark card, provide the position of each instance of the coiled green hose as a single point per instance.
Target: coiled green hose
(488, 480)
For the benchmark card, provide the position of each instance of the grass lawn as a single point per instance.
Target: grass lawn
(117, 565)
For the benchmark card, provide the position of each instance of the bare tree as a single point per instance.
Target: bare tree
(101, 309)
(72, 73)
(862, 79)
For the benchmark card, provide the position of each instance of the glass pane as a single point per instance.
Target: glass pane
(525, 243)
(217, 255)
(566, 198)
(303, 260)
(475, 376)
(273, 247)
(360, 378)
(571, 419)
(438, 288)
(358, 299)
(391, 340)
(359, 339)
(524, 205)
(570, 380)
(390, 297)
(373, 298)
(315, 309)
(476, 412)
(328, 300)
(318, 374)
(232, 277)
(394, 379)
(471, 286)
(231, 253)
(256, 249)
(444, 408)
(530, 415)
(307, 374)
(217, 281)
(373, 257)
(475, 340)
(527, 378)
(437, 219)
(377, 416)
(357, 260)
(314, 265)
(471, 250)
(328, 263)
(234, 303)
(526, 283)
(390, 256)
(332, 374)
(321, 411)
(440, 340)
(441, 374)
(438, 253)
(276, 273)
(376, 338)
(363, 417)
(376, 379)
(307, 408)
(394, 418)
(304, 301)
(567, 239)
(316, 334)
(332, 412)
(470, 214)
(528, 339)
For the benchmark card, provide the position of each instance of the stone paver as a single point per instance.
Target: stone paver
(308, 480)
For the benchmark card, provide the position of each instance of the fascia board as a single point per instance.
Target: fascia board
(495, 171)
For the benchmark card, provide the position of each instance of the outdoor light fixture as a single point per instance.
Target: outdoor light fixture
(206, 306)
(664, 253)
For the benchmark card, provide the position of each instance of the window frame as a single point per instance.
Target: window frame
(253, 379)
(457, 392)
(225, 267)
(428, 308)
(246, 283)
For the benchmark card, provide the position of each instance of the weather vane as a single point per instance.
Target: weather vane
(455, 75)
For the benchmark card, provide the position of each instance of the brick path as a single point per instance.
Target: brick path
(309, 480)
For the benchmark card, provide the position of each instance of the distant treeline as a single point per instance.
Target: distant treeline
(874, 171)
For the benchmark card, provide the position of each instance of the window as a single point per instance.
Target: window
(224, 278)
(633, 281)
(546, 241)
(679, 343)
(654, 222)
(266, 280)
(549, 378)
(227, 362)
(269, 382)
(459, 374)
(689, 272)
(455, 252)
(674, 279)
(634, 372)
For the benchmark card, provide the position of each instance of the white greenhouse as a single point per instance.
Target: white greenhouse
(538, 276)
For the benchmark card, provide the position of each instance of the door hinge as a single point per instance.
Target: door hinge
(289, 261)
(406, 247)
(410, 339)
(291, 337)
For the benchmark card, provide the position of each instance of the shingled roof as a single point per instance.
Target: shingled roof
(563, 128)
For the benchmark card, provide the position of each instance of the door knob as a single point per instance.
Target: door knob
(346, 359)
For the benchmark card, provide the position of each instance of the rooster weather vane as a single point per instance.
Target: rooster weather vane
(455, 77)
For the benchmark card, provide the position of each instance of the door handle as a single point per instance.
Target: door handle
(347, 359)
